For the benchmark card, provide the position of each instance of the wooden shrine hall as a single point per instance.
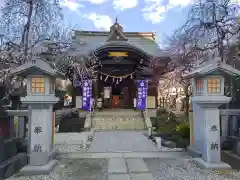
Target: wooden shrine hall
(125, 58)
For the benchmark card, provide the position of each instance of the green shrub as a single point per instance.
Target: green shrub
(171, 116)
(160, 111)
(167, 127)
(184, 130)
(154, 121)
(163, 118)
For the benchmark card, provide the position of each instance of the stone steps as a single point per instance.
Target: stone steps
(118, 123)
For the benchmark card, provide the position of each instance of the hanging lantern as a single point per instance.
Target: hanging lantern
(120, 79)
(209, 12)
(101, 77)
(113, 79)
(117, 81)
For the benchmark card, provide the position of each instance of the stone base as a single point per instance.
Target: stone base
(205, 165)
(30, 170)
(41, 158)
(12, 165)
(193, 152)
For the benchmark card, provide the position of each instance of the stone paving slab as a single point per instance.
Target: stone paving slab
(119, 177)
(136, 165)
(117, 165)
(121, 141)
(160, 169)
(145, 176)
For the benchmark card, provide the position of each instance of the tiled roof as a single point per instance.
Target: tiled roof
(144, 41)
(38, 63)
(213, 66)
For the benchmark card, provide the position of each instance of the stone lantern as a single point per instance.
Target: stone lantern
(40, 99)
(208, 94)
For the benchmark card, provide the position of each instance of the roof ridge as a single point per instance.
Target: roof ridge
(112, 32)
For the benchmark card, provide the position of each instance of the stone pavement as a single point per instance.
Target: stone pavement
(121, 141)
(131, 168)
(69, 142)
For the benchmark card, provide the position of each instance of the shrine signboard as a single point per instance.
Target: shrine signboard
(117, 54)
(142, 94)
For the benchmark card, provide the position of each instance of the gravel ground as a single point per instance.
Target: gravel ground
(161, 169)
(76, 169)
(184, 169)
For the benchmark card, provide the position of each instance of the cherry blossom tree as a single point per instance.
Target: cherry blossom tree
(34, 28)
(213, 26)
(208, 32)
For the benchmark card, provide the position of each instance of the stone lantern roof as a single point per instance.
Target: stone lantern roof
(213, 67)
(36, 66)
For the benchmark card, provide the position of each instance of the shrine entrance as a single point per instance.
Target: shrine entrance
(121, 66)
(119, 95)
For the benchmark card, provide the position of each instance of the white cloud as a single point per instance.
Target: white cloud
(124, 4)
(235, 2)
(175, 3)
(179, 3)
(155, 10)
(102, 22)
(97, 1)
(71, 4)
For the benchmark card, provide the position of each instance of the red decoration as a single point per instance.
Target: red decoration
(116, 101)
(4, 128)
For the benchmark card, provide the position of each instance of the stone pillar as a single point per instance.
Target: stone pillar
(21, 126)
(41, 134)
(207, 131)
(11, 127)
(212, 152)
(224, 127)
(40, 129)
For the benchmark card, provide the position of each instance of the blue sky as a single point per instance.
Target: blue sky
(160, 16)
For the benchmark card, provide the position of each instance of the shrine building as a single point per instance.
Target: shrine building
(125, 58)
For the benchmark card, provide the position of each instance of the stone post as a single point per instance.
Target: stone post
(207, 131)
(40, 139)
(11, 127)
(21, 126)
(191, 125)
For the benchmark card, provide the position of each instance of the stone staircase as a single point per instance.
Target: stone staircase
(118, 119)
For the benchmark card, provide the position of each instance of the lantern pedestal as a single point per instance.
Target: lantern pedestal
(40, 140)
(207, 131)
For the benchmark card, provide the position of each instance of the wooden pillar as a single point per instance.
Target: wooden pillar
(95, 88)
(156, 96)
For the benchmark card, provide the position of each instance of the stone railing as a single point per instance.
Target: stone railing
(20, 128)
(227, 119)
(88, 121)
(89, 118)
(13, 145)
(148, 122)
